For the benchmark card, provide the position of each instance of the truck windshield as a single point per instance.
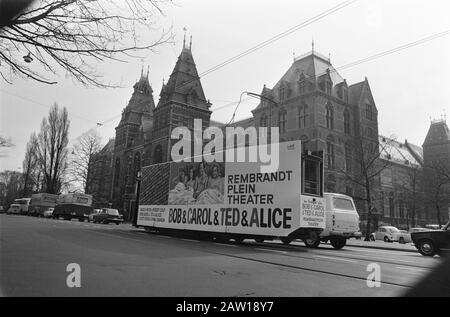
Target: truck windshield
(342, 203)
(311, 174)
(21, 201)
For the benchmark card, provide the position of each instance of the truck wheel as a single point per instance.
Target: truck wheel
(81, 219)
(286, 240)
(338, 242)
(401, 240)
(313, 241)
(427, 248)
(259, 240)
(117, 223)
(105, 222)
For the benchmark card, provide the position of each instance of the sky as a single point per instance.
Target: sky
(410, 87)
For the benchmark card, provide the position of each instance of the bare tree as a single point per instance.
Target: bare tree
(412, 190)
(11, 184)
(52, 148)
(75, 35)
(30, 165)
(83, 159)
(437, 188)
(368, 163)
(5, 142)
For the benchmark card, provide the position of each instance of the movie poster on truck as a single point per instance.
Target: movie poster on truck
(234, 197)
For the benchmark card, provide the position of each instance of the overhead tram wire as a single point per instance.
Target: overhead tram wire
(272, 40)
(376, 56)
(395, 50)
(261, 45)
(279, 36)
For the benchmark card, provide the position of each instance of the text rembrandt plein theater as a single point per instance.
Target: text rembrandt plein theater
(244, 188)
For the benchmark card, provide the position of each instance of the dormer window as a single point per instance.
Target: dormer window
(282, 93)
(282, 120)
(369, 111)
(330, 116)
(302, 87)
(345, 93)
(263, 121)
(328, 87)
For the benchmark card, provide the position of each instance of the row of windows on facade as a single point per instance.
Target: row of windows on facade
(305, 86)
(391, 211)
(133, 167)
(302, 115)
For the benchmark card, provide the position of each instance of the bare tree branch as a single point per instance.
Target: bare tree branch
(74, 35)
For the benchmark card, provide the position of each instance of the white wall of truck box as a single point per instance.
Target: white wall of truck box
(285, 212)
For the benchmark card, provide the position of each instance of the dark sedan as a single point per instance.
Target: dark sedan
(107, 215)
(430, 243)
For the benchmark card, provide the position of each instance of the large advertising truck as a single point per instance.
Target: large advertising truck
(41, 202)
(74, 205)
(236, 200)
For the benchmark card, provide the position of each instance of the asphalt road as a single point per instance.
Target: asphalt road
(125, 261)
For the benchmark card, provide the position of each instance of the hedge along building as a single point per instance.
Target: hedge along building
(143, 136)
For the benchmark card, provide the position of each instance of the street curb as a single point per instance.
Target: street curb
(380, 248)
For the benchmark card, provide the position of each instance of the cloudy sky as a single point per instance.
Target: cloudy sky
(409, 86)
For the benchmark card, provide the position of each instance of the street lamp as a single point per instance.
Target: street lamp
(27, 58)
(251, 94)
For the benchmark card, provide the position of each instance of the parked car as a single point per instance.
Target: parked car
(48, 213)
(432, 242)
(107, 215)
(405, 236)
(20, 206)
(385, 233)
(2, 211)
(433, 227)
(90, 217)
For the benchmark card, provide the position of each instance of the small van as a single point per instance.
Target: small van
(20, 206)
(342, 221)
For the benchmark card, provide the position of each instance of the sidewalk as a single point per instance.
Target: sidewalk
(408, 247)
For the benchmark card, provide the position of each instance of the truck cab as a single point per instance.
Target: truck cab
(342, 219)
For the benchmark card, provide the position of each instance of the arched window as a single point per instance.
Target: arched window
(369, 111)
(330, 152)
(348, 158)
(328, 87)
(346, 121)
(330, 116)
(282, 93)
(303, 116)
(282, 120)
(391, 205)
(158, 154)
(263, 120)
(117, 172)
(302, 86)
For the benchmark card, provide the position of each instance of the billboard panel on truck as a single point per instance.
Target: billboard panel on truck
(44, 199)
(231, 197)
(75, 198)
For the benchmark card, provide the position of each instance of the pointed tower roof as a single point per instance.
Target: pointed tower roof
(141, 101)
(184, 82)
(438, 134)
